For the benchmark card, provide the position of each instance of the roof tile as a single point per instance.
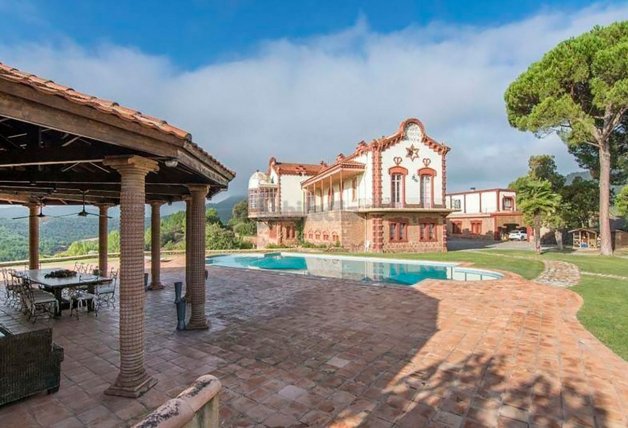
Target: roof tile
(105, 106)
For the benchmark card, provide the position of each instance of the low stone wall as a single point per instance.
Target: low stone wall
(195, 407)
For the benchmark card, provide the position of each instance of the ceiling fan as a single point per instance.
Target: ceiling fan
(84, 212)
(39, 215)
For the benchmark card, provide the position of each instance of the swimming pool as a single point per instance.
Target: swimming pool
(365, 269)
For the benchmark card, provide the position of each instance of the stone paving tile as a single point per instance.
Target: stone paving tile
(559, 274)
(297, 351)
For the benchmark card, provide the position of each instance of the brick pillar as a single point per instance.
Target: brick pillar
(196, 261)
(377, 176)
(378, 233)
(103, 239)
(33, 236)
(188, 211)
(155, 245)
(132, 379)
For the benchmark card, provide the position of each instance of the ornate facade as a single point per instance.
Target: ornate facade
(386, 196)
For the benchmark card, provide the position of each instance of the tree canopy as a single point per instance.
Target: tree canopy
(579, 90)
(538, 202)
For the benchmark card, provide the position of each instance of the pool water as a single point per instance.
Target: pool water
(365, 269)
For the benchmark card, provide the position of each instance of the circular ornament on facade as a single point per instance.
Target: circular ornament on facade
(413, 133)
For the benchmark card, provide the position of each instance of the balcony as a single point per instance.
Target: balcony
(368, 204)
(267, 208)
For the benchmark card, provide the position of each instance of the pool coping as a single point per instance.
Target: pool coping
(458, 266)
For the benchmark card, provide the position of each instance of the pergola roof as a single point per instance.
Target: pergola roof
(53, 141)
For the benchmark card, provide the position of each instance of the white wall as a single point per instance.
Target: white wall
(472, 203)
(412, 186)
(490, 202)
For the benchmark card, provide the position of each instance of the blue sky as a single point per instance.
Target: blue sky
(197, 32)
(305, 80)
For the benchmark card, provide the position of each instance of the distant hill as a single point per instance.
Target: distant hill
(56, 234)
(585, 175)
(225, 207)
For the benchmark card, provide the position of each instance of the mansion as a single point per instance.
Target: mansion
(386, 196)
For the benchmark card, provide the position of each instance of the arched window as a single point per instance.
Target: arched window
(396, 196)
(426, 184)
(397, 186)
(508, 203)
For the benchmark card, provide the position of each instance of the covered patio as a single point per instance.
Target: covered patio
(62, 147)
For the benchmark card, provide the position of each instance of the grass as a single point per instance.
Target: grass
(587, 263)
(605, 311)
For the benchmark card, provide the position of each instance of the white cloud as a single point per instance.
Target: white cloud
(309, 99)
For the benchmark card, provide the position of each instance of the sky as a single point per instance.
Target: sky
(305, 80)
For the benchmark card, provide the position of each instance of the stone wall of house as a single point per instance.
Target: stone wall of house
(413, 243)
(263, 235)
(352, 227)
(323, 228)
(276, 232)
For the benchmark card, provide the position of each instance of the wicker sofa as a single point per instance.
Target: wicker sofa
(29, 363)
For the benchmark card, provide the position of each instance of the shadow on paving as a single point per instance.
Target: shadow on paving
(301, 351)
(328, 351)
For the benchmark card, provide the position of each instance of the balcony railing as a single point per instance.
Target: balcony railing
(369, 203)
(273, 210)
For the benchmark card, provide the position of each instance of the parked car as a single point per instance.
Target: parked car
(518, 235)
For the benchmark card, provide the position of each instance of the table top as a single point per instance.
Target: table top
(38, 276)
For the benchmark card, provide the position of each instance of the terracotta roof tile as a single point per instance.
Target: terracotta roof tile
(106, 106)
(297, 168)
(100, 104)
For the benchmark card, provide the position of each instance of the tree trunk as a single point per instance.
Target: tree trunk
(558, 234)
(537, 233)
(606, 247)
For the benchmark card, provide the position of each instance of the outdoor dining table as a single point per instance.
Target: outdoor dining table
(56, 285)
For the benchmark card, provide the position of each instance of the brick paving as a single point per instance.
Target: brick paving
(559, 274)
(298, 351)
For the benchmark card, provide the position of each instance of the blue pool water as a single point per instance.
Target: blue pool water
(364, 269)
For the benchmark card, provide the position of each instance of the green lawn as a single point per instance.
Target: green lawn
(605, 311)
(587, 263)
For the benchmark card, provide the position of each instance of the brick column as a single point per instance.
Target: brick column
(33, 236)
(377, 175)
(155, 245)
(103, 239)
(378, 233)
(132, 379)
(196, 261)
(188, 211)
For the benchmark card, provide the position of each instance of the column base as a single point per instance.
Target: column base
(131, 391)
(197, 325)
(158, 286)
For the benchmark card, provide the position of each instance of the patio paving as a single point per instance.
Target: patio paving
(298, 351)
